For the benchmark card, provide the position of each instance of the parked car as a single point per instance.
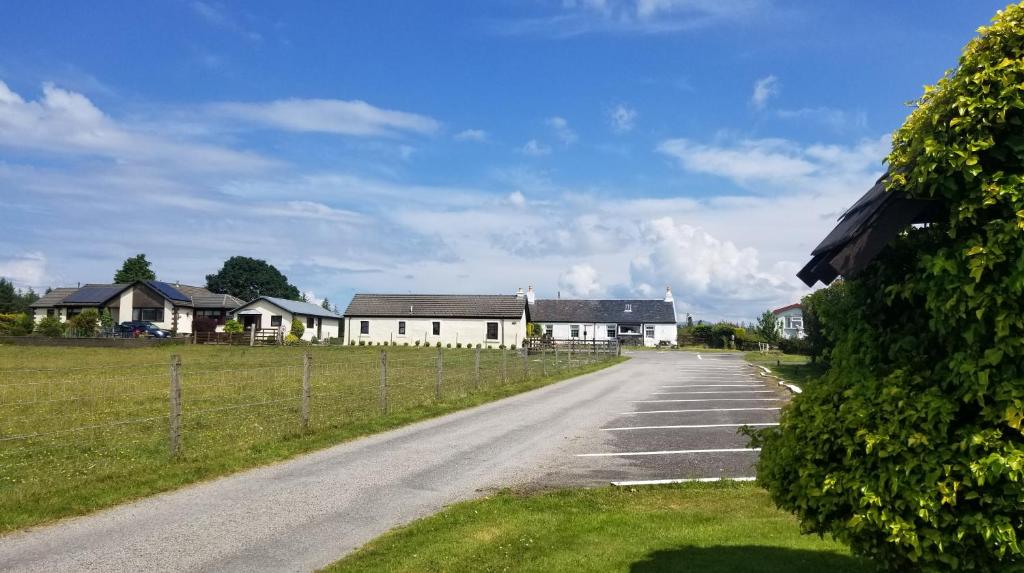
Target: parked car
(143, 328)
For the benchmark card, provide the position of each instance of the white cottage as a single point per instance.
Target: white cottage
(630, 321)
(278, 313)
(489, 320)
(790, 320)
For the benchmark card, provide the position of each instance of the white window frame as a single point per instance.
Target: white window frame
(649, 331)
(629, 307)
(796, 322)
(549, 330)
(611, 330)
(574, 331)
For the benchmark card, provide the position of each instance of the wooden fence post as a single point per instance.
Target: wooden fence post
(556, 359)
(383, 382)
(440, 373)
(252, 335)
(544, 361)
(526, 364)
(174, 420)
(476, 369)
(307, 365)
(504, 365)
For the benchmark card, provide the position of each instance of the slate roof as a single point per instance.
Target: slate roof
(53, 298)
(437, 305)
(603, 311)
(204, 298)
(863, 231)
(293, 307)
(787, 307)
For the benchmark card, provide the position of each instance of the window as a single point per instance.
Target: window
(549, 329)
(364, 327)
(649, 331)
(437, 328)
(401, 327)
(611, 331)
(310, 322)
(629, 308)
(629, 329)
(492, 331)
(275, 320)
(574, 331)
(148, 314)
(796, 322)
(49, 312)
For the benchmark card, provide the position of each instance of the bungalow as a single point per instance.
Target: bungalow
(790, 320)
(489, 320)
(171, 307)
(630, 321)
(278, 313)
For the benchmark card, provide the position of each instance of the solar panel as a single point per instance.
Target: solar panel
(168, 291)
(93, 294)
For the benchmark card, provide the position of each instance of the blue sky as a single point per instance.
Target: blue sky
(592, 148)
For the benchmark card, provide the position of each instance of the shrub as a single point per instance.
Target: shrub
(291, 339)
(501, 347)
(795, 346)
(106, 319)
(405, 344)
(297, 329)
(512, 347)
(50, 326)
(909, 449)
(458, 345)
(19, 324)
(233, 327)
(478, 345)
(85, 322)
(449, 345)
(351, 342)
(439, 344)
(204, 324)
(417, 343)
(362, 343)
(315, 339)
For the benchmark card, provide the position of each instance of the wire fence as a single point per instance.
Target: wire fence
(81, 424)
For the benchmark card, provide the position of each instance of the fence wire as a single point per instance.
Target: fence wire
(82, 424)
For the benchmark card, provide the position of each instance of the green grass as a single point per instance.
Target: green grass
(82, 428)
(792, 368)
(705, 528)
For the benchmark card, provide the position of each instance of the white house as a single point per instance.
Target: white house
(168, 306)
(630, 321)
(489, 320)
(790, 320)
(278, 313)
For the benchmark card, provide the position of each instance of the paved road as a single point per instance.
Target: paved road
(305, 513)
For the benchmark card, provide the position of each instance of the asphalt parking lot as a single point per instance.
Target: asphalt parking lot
(685, 427)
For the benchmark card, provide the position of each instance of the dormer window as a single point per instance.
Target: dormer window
(629, 308)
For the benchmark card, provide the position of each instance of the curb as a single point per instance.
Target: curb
(791, 387)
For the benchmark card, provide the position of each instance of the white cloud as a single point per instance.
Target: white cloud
(578, 17)
(765, 89)
(622, 118)
(838, 120)
(217, 15)
(535, 149)
(580, 281)
(342, 117)
(68, 123)
(562, 131)
(471, 135)
(25, 270)
(517, 199)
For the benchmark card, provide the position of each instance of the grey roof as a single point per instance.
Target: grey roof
(94, 294)
(204, 298)
(437, 305)
(53, 298)
(603, 311)
(294, 307)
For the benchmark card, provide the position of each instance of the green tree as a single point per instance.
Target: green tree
(248, 279)
(8, 297)
(820, 339)
(768, 327)
(326, 304)
(910, 448)
(135, 269)
(233, 327)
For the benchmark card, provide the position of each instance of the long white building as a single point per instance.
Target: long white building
(488, 320)
(630, 321)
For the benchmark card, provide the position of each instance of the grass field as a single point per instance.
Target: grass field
(82, 429)
(792, 368)
(705, 528)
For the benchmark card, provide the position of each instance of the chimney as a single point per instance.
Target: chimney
(519, 292)
(668, 294)
(530, 296)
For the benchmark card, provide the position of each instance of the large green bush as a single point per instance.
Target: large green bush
(298, 329)
(50, 326)
(17, 324)
(233, 327)
(910, 449)
(84, 323)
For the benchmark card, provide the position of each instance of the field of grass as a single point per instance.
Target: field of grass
(792, 368)
(82, 429)
(705, 528)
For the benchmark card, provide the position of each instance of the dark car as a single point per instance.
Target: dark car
(143, 328)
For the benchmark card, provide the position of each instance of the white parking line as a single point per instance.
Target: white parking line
(718, 392)
(681, 480)
(710, 400)
(697, 410)
(715, 386)
(687, 427)
(669, 452)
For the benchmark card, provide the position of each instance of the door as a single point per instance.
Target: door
(251, 321)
